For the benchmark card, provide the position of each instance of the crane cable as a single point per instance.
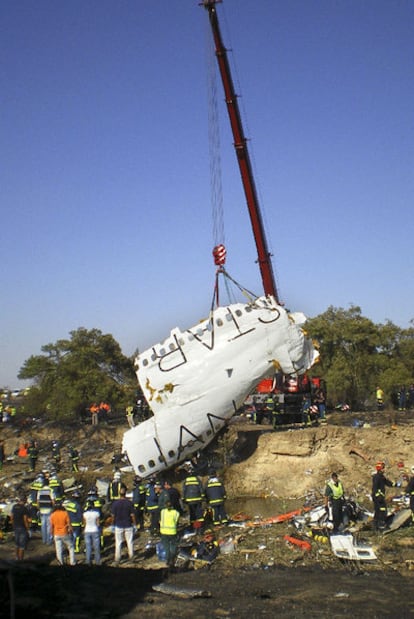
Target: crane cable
(216, 188)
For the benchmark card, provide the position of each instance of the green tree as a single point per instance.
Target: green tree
(349, 354)
(72, 373)
(357, 355)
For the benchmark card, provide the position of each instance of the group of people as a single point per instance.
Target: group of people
(99, 411)
(402, 398)
(335, 497)
(65, 521)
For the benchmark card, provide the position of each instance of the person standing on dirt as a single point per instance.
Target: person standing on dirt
(114, 488)
(56, 486)
(94, 411)
(216, 495)
(193, 496)
(334, 501)
(151, 505)
(33, 454)
(20, 520)
(44, 502)
(74, 458)
(74, 510)
(410, 491)
(379, 482)
(138, 501)
(56, 454)
(62, 533)
(92, 532)
(379, 394)
(319, 399)
(124, 522)
(169, 518)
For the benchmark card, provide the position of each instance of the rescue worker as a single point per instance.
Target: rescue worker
(114, 488)
(74, 458)
(216, 494)
(171, 495)
(94, 410)
(208, 549)
(169, 518)
(56, 454)
(305, 410)
(33, 454)
(193, 496)
(410, 491)
(379, 394)
(319, 398)
(278, 410)
(74, 510)
(151, 504)
(138, 501)
(334, 501)
(35, 486)
(56, 486)
(270, 407)
(130, 416)
(379, 481)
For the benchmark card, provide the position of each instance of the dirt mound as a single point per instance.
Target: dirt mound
(293, 463)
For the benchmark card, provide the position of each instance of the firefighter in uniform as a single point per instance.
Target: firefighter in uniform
(74, 458)
(334, 500)
(216, 494)
(56, 486)
(56, 454)
(33, 454)
(114, 488)
(138, 500)
(151, 504)
(270, 407)
(74, 510)
(379, 481)
(193, 497)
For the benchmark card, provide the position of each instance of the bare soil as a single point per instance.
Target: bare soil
(264, 575)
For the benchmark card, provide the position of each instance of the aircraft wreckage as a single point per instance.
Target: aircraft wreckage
(195, 380)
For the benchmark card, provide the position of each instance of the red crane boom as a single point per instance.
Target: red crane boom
(243, 158)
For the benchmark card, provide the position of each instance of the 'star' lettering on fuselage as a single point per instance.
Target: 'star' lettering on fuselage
(195, 380)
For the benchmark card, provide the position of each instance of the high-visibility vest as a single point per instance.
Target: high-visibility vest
(168, 521)
(337, 490)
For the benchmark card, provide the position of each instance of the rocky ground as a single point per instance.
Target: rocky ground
(266, 473)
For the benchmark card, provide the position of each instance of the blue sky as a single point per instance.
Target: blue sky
(104, 172)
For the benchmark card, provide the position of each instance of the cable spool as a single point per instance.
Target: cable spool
(219, 253)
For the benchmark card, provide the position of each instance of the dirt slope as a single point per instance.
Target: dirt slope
(293, 463)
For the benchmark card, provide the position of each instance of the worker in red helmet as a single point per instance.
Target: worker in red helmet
(379, 481)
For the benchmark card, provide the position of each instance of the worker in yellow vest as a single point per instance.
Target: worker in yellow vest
(334, 501)
(169, 518)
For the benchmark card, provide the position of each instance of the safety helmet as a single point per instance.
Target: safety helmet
(412, 469)
(380, 465)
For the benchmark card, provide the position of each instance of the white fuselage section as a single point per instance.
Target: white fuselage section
(195, 380)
